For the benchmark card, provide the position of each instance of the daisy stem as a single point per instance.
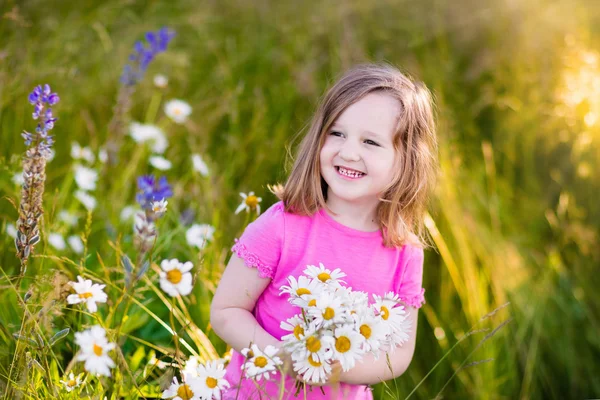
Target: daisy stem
(153, 107)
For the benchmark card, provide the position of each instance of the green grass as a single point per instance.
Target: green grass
(514, 218)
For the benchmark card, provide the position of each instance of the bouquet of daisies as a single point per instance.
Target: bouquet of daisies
(336, 323)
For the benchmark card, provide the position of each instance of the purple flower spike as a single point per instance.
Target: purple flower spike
(42, 98)
(143, 55)
(149, 190)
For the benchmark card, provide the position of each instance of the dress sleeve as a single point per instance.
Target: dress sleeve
(262, 241)
(411, 290)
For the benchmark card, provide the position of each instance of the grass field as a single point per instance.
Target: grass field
(515, 217)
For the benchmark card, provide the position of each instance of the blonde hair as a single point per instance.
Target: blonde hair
(402, 206)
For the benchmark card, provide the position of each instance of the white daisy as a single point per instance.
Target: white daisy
(68, 217)
(57, 241)
(18, 179)
(249, 202)
(94, 349)
(328, 310)
(178, 110)
(152, 134)
(199, 164)
(198, 235)
(260, 364)
(160, 81)
(71, 382)
(316, 344)
(348, 346)
(85, 177)
(128, 212)
(75, 243)
(301, 288)
(175, 277)
(324, 275)
(188, 390)
(87, 292)
(393, 317)
(191, 367)
(160, 163)
(372, 329)
(312, 370)
(211, 379)
(81, 153)
(86, 199)
(11, 230)
(159, 207)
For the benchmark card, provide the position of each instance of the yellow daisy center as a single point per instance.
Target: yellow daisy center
(313, 363)
(85, 295)
(324, 277)
(342, 344)
(98, 350)
(260, 362)
(385, 313)
(312, 303)
(71, 383)
(252, 201)
(177, 111)
(328, 314)
(298, 330)
(211, 382)
(174, 276)
(185, 392)
(365, 330)
(302, 291)
(313, 344)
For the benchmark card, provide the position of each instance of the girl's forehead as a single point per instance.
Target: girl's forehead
(376, 114)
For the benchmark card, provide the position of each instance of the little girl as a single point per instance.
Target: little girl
(355, 200)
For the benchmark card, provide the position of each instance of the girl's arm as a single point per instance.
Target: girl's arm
(371, 371)
(231, 309)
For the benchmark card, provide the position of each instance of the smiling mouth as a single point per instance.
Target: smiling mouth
(349, 173)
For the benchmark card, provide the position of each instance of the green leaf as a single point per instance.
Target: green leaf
(58, 336)
(29, 340)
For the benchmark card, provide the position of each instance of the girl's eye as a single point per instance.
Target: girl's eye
(369, 141)
(334, 133)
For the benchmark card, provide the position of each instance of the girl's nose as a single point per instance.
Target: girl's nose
(349, 152)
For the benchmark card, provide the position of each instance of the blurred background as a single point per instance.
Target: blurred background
(515, 216)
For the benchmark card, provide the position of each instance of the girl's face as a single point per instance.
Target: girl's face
(358, 156)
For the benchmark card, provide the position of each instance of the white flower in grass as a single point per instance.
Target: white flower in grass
(175, 277)
(155, 362)
(159, 207)
(68, 218)
(128, 212)
(152, 134)
(348, 346)
(57, 241)
(188, 390)
(394, 318)
(178, 110)
(191, 367)
(81, 153)
(11, 230)
(249, 202)
(71, 382)
(75, 243)
(328, 310)
(86, 199)
(87, 292)
(260, 364)
(94, 349)
(312, 370)
(18, 179)
(325, 275)
(85, 177)
(198, 235)
(211, 379)
(199, 164)
(160, 81)
(160, 163)
(301, 288)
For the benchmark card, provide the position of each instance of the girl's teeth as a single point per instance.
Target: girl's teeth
(350, 173)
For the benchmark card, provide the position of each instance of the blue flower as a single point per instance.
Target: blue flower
(143, 54)
(42, 98)
(150, 190)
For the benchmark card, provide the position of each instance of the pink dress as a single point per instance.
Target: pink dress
(279, 244)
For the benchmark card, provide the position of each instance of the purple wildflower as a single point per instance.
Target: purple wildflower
(144, 53)
(150, 190)
(42, 99)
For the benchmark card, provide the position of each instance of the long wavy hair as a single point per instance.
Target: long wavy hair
(402, 206)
